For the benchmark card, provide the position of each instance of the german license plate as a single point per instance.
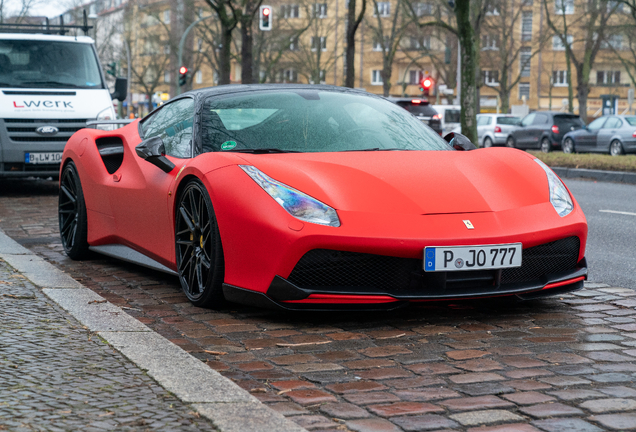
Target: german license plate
(461, 258)
(43, 158)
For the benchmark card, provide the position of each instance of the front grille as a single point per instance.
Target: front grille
(334, 271)
(24, 130)
(46, 121)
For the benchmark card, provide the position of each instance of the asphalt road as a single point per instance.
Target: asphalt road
(610, 209)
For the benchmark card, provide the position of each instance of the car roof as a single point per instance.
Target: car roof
(395, 99)
(245, 88)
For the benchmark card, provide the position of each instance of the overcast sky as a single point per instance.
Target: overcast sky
(49, 9)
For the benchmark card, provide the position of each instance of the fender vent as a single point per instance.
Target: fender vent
(111, 150)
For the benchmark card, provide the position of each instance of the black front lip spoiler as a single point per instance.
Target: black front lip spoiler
(281, 292)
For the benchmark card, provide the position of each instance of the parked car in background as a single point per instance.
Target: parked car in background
(543, 130)
(449, 115)
(614, 134)
(422, 109)
(494, 129)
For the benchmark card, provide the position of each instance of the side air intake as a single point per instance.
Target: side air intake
(111, 150)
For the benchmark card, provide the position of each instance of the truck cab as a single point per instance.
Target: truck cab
(50, 86)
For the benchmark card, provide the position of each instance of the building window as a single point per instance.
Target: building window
(490, 42)
(564, 7)
(383, 9)
(198, 77)
(166, 17)
(608, 77)
(420, 43)
(290, 76)
(524, 90)
(526, 26)
(166, 49)
(376, 77)
(525, 56)
(492, 9)
(614, 6)
(166, 77)
(323, 76)
(290, 11)
(320, 10)
(319, 42)
(557, 43)
(200, 45)
(560, 78)
(423, 9)
(415, 77)
(378, 46)
(491, 77)
(614, 41)
(293, 43)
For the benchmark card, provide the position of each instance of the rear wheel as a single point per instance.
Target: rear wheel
(198, 247)
(72, 214)
(616, 148)
(487, 142)
(545, 145)
(510, 142)
(568, 146)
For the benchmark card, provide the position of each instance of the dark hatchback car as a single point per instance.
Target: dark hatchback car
(421, 109)
(543, 130)
(615, 134)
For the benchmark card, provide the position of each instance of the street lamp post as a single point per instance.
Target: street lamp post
(182, 44)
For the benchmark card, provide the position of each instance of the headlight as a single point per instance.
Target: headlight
(105, 114)
(559, 195)
(296, 203)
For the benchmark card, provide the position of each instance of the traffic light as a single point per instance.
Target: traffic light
(425, 85)
(183, 76)
(112, 69)
(265, 18)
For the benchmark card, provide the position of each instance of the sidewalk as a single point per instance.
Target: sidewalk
(61, 374)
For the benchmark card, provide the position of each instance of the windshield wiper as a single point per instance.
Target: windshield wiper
(264, 150)
(52, 83)
(4, 84)
(376, 149)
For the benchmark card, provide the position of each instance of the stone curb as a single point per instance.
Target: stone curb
(225, 404)
(600, 175)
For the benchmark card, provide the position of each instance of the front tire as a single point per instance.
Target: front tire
(487, 142)
(568, 146)
(199, 253)
(545, 145)
(72, 214)
(510, 142)
(616, 148)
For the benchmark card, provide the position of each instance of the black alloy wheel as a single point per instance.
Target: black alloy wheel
(72, 214)
(510, 142)
(198, 247)
(616, 148)
(568, 146)
(545, 145)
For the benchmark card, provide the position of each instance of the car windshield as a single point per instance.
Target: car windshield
(48, 64)
(509, 120)
(311, 121)
(631, 120)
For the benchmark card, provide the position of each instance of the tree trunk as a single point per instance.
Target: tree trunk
(350, 52)
(582, 91)
(247, 46)
(225, 66)
(386, 80)
(469, 89)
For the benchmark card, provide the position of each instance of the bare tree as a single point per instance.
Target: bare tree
(228, 16)
(353, 23)
(16, 12)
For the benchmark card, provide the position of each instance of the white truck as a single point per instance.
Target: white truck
(50, 86)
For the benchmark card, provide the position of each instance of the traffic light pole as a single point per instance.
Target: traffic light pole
(182, 44)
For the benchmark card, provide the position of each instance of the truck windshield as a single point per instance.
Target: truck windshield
(48, 64)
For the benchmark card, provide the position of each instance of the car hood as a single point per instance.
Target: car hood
(413, 182)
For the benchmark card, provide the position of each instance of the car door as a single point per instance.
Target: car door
(140, 197)
(522, 135)
(606, 133)
(586, 139)
(539, 126)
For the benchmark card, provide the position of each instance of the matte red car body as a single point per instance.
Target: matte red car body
(389, 203)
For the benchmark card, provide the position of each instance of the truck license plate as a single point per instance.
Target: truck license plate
(43, 158)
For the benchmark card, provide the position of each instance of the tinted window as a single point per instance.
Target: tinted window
(311, 121)
(508, 120)
(417, 109)
(568, 120)
(631, 120)
(596, 124)
(527, 120)
(173, 123)
(452, 115)
(540, 119)
(612, 123)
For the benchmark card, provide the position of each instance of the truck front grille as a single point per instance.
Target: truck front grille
(24, 130)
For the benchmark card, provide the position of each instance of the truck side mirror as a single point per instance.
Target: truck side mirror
(153, 151)
(121, 89)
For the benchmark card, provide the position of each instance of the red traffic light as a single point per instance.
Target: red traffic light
(266, 11)
(427, 83)
(183, 70)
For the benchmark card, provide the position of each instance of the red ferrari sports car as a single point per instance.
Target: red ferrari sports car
(317, 197)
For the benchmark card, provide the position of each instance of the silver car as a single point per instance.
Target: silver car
(613, 134)
(493, 129)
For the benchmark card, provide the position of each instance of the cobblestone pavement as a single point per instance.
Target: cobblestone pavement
(562, 364)
(56, 376)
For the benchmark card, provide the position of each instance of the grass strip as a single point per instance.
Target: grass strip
(625, 163)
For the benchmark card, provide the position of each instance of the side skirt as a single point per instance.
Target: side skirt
(127, 254)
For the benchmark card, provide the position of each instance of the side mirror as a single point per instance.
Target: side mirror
(459, 141)
(153, 151)
(121, 89)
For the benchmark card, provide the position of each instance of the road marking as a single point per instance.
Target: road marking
(618, 212)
